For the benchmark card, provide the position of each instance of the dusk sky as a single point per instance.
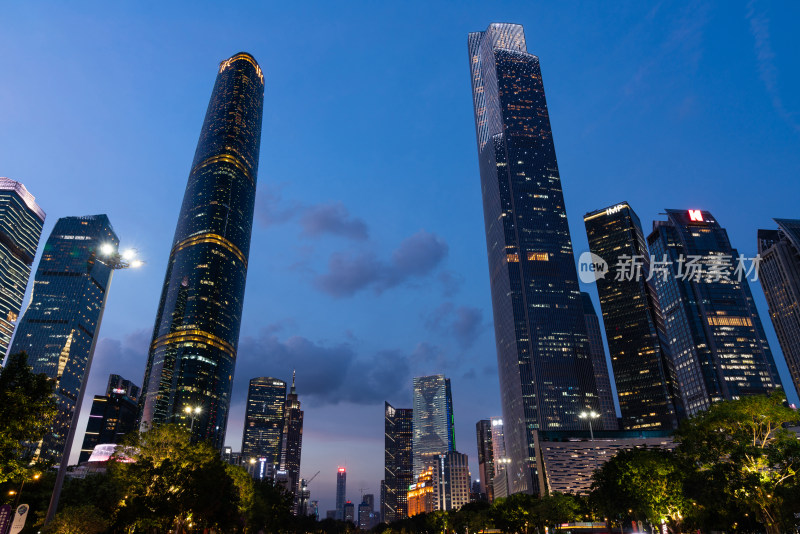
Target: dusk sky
(368, 257)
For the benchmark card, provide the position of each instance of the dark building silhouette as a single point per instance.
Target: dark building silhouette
(264, 420)
(643, 371)
(603, 381)
(59, 328)
(341, 493)
(113, 415)
(483, 432)
(196, 333)
(433, 424)
(21, 221)
(544, 359)
(398, 462)
(717, 341)
(292, 443)
(780, 279)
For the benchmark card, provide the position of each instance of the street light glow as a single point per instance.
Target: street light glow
(129, 254)
(106, 249)
(137, 263)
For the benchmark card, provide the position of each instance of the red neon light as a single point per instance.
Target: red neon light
(341, 469)
(695, 215)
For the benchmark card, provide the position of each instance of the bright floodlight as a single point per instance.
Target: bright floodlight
(187, 409)
(136, 263)
(591, 415)
(106, 249)
(129, 254)
(198, 409)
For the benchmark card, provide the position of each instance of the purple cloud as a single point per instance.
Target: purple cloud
(333, 219)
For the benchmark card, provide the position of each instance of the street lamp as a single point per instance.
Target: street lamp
(193, 413)
(591, 414)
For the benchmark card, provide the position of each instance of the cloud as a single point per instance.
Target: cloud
(464, 323)
(270, 209)
(333, 219)
(451, 283)
(351, 272)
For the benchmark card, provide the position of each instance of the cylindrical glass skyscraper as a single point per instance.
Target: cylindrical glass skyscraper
(196, 333)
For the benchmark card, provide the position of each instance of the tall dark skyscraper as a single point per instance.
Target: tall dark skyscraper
(643, 371)
(780, 278)
(433, 425)
(196, 333)
(292, 442)
(113, 415)
(263, 420)
(21, 221)
(608, 415)
(717, 342)
(398, 462)
(543, 354)
(483, 432)
(341, 492)
(59, 328)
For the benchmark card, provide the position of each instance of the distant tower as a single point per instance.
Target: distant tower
(398, 462)
(263, 420)
(21, 221)
(292, 443)
(196, 333)
(113, 415)
(433, 420)
(780, 278)
(718, 344)
(601, 378)
(451, 480)
(341, 491)
(483, 431)
(59, 329)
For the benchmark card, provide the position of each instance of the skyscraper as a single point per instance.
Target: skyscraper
(292, 443)
(21, 221)
(604, 393)
(543, 355)
(59, 328)
(398, 462)
(263, 420)
(433, 420)
(643, 371)
(451, 480)
(341, 492)
(196, 333)
(780, 278)
(483, 431)
(717, 342)
(501, 460)
(113, 415)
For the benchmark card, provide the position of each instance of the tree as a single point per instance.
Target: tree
(554, 509)
(86, 519)
(640, 484)
(742, 451)
(27, 409)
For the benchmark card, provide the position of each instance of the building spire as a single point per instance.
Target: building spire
(294, 371)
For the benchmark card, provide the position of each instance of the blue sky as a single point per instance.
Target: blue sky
(368, 258)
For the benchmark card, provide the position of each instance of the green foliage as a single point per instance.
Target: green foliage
(27, 409)
(86, 519)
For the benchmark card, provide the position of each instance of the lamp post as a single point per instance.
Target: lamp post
(112, 258)
(591, 414)
(19, 493)
(193, 413)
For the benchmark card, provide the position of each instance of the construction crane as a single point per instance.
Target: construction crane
(312, 478)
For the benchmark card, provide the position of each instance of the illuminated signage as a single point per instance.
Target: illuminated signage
(695, 215)
(117, 390)
(615, 209)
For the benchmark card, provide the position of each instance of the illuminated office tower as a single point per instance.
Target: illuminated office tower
(433, 429)
(398, 462)
(21, 221)
(639, 349)
(59, 328)
(113, 415)
(717, 342)
(501, 460)
(544, 360)
(263, 420)
(780, 279)
(601, 378)
(483, 431)
(196, 333)
(292, 443)
(451, 481)
(341, 492)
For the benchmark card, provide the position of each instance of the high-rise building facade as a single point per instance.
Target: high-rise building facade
(717, 342)
(341, 492)
(604, 393)
(292, 443)
(59, 329)
(398, 462)
(483, 432)
(196, 333)
(544, 360)
(21, 221)
(264, 419)
(434, 433)
(451, 481)
(501, 460)
(643, 371)
(112, 416)
(780, 278)
(421, 494)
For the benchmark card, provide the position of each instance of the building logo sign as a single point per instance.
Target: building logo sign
(695, 215)
(615, 209)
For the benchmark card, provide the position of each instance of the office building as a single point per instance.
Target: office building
(780, 279)
(292, 442)
(21, 221)
(500, 460)
(398, 462)
(113, 415)
(59, 329)
(349, 512)
(451, 481)
(483, 431)
(341, 492)
(608, 415)
(639, 349)
(263, 420)
(433, 420)
(196, 332)
(422, 494)
(717, 342)
(367, 518)
(544, 360)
